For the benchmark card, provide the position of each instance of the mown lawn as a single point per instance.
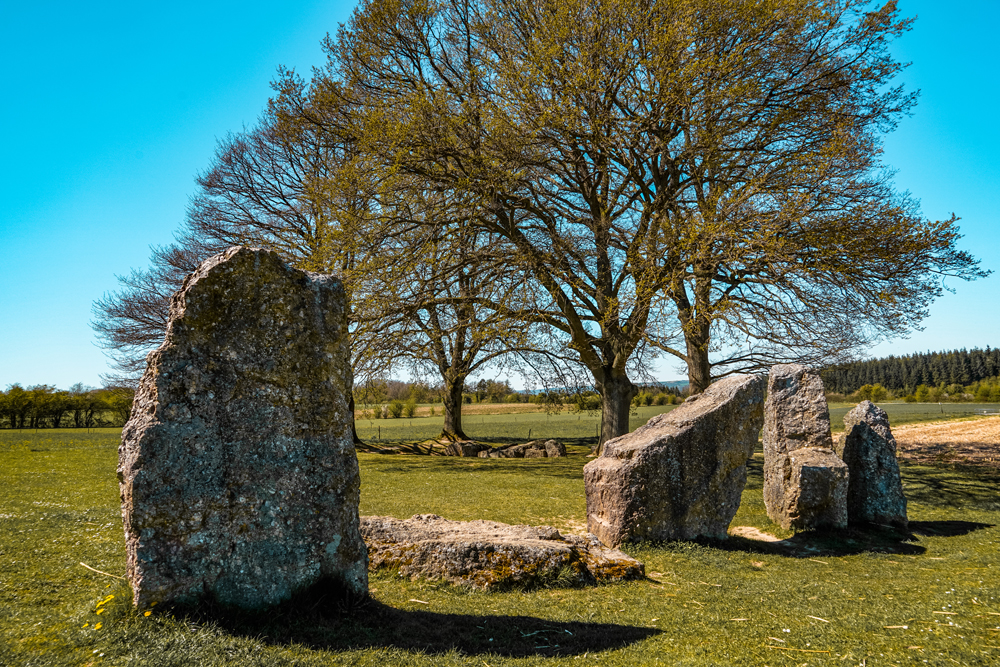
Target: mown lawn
(847, 598)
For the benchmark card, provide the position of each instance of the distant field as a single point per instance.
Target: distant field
(582, 428)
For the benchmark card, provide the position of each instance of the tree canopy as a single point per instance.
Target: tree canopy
(602, 180)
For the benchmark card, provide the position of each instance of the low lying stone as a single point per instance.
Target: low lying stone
(875, 491)
(536, 449)
(681, 475)
(465, 448)
(816, 492)
(797, 444)
(487, 554)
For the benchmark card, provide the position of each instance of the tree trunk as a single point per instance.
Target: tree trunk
(699, 368)
(453, 389)
(617, 393)
(354, 424)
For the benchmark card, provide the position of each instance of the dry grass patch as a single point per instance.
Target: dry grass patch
(972, 442)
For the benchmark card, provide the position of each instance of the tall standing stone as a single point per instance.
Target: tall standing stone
(681, 475)
(239, 480)
(805, 482)
(875, 492)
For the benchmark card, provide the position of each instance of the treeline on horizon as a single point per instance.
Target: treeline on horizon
(393, 398)
(45, 406)
(905, 374)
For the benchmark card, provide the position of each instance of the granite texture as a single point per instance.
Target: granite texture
(682, 474)
(797, 493)
(489, 555)
(239, 481)
(875, 492)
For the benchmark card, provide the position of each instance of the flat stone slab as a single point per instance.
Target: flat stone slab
(238, 476)
(488, 554)
(681, 475)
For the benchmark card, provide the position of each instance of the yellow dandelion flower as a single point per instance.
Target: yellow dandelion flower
(147, 613)
(85, 624)
(97, 627)
(100, 610)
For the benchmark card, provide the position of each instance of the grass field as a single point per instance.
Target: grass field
(583, 427)
(846, 598)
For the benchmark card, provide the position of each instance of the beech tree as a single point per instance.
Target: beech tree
(701, 176)
(283, 187)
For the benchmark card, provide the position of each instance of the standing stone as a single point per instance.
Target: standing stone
(875, 492)
(681, 475)
(239, 481)
(805, 483)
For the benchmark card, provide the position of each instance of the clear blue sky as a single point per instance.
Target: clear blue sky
(112, 108)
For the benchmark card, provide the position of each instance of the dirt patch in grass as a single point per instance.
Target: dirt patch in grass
(969, 442)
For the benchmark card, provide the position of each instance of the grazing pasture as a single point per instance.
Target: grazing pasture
(582, 427)
(845, 598)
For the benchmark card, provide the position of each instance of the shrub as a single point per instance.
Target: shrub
(432, 411)
(910, 398)
(660, 399)
(864, 393)
(410, 408)
(396, 409)
(379, 411)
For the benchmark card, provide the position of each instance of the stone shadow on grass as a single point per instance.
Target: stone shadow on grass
(325, 617)
(851, 540)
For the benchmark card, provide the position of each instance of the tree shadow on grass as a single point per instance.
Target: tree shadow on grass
(325, 617)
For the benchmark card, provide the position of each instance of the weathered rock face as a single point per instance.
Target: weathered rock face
(239, 481)
(816, 492)
(875, 491)
(798, 493)
(487, 554)
(682, 474)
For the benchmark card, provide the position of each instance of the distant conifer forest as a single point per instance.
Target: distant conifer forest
(952, 375)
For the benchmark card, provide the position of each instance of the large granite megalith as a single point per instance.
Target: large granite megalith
(239, 480)
(805, 482)
(875, 491)
(681, 475)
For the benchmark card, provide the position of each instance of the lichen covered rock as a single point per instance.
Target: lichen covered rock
(239, 481)
(488, 554)
(875, 491)
(681, 475)
(798, 493)
(816, 492)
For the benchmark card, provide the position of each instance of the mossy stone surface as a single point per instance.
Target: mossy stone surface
(239, 481)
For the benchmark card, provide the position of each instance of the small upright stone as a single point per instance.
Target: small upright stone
(681, 475)
(805, 483)
(239, 480)
(875, 492)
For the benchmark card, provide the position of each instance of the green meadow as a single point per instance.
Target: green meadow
(583, 426)
(851, 597)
